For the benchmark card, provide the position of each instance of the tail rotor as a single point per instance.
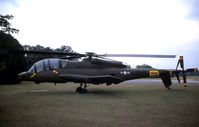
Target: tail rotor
(178, 78)
(181, 63)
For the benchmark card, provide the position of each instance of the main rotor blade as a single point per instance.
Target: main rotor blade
(5, 52)
(45, 52)
(140, 55)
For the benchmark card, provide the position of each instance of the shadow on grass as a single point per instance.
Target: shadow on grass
(92, 92)
(106, 92)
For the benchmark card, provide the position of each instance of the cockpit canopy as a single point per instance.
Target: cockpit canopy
(48, 64)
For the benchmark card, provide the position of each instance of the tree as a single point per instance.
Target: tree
(64, 49)
(10, 64)
(5, 25)
(32, 58)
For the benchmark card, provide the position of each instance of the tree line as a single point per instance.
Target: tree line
(32, 58)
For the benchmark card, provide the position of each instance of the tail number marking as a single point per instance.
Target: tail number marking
(154, 73)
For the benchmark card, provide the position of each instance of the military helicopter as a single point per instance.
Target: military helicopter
(95, 69)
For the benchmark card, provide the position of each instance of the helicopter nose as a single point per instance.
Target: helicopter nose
(22, 75)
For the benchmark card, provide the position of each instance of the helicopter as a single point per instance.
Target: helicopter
(95, 69)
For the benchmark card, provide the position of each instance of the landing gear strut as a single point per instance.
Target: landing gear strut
(82, 90)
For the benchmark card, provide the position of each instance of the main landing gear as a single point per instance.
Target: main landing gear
(82, 90)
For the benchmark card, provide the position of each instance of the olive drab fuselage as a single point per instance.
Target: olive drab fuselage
(89, 70)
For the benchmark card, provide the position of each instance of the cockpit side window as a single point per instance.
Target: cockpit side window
(39, 66)
(54, 63)
(46, 64)
(32, 69)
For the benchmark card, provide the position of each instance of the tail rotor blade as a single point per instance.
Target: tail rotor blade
(180, 62)
(184, 79)
(177, 64)
(178, 78)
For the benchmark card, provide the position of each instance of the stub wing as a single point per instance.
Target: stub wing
(105, 79)
(91, 79)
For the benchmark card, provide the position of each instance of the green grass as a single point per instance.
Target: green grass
(111, 106)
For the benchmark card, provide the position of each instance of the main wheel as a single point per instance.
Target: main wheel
(79, 90)
(84, 91)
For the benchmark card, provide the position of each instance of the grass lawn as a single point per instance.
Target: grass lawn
(142, 105)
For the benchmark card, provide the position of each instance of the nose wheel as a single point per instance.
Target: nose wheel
(82, 90)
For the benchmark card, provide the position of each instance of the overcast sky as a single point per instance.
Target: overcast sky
(111, 26)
